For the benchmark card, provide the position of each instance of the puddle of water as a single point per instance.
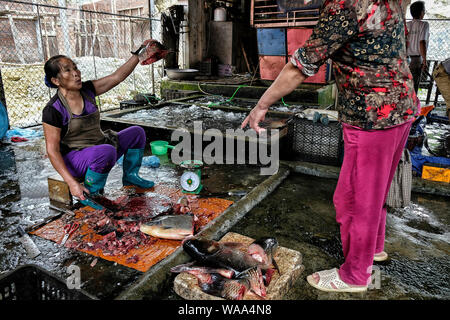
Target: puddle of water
(300, 214)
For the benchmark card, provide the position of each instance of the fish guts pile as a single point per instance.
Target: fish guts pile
(230, 269)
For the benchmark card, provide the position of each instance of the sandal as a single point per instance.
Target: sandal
(382, 256)
(329, 277)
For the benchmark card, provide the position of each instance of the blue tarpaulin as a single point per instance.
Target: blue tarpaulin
(418, 160)
(4, 121)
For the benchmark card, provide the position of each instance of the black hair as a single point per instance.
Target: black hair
(417, 8)
(51, 69)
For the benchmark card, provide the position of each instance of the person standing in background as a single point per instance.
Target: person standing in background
(417, 41)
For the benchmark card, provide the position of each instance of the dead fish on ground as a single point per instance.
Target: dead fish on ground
(174, 227)
(192, 268)
(230, 254)
(217, 285)
(220, 282)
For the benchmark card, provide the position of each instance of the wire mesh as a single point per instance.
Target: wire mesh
(98, 42)
(438, 49)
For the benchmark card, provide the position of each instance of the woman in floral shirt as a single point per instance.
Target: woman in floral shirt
(377, 103)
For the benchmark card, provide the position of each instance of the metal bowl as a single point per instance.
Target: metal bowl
(181, 74)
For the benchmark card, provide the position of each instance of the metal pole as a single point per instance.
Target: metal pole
(93, 58)
(38, 31)
(64, 23)
(150, 4)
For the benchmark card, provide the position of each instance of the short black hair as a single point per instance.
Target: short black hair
(52, 68)
(417, 8)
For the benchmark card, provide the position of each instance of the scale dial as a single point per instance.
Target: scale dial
(190, 181)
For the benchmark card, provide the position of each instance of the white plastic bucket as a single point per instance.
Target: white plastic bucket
(220, 14)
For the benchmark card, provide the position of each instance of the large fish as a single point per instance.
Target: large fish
(192, 268)
(232, 255)
(215, 284)
(174, 227)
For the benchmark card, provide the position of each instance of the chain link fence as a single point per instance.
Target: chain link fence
(438, 50)
(99, 42)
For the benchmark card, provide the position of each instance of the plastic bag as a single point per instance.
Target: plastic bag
(152, 52)
(25, 133)
(150, 161)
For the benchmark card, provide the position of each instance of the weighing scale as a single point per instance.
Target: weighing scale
(191, 179)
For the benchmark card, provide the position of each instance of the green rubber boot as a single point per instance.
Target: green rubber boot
(94, 182)
(132, 161)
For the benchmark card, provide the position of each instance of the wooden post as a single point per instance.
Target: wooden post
(197, 34)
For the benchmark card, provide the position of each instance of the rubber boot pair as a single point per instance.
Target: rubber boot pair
(95, 182)
(132, 162)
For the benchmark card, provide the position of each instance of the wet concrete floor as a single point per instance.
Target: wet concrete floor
(24, 201)
(299, 213)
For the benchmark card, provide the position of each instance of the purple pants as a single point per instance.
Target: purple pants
(370, 160)
(103, 157)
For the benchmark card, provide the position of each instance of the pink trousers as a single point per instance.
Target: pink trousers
(370, 160)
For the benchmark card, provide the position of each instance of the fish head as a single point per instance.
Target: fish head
(198, 248)
(268, 244)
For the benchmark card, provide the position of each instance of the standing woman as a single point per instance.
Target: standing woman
(77, 147)
(377, 103)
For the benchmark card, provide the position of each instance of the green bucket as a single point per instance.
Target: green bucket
(159, 147)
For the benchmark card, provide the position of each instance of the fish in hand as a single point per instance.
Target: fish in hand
(153, 52)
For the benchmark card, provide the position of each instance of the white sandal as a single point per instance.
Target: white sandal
(381, 256)
(329, 277)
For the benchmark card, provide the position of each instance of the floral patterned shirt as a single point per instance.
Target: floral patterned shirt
(365, 39)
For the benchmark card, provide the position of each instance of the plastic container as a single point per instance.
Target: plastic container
(31, 282)
(220, 14)
(159, 147)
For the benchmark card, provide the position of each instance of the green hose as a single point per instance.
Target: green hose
(228, 100)
(231, 98)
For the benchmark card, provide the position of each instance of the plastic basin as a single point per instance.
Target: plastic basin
(159, 147)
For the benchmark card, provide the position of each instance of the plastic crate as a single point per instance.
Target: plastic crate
(171, 94)
(31, 282)
(127, 104)
(271, 41)
(315, 142)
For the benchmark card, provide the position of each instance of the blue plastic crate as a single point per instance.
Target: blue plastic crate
(271, 41)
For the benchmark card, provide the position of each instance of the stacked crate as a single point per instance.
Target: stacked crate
(277, 45)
